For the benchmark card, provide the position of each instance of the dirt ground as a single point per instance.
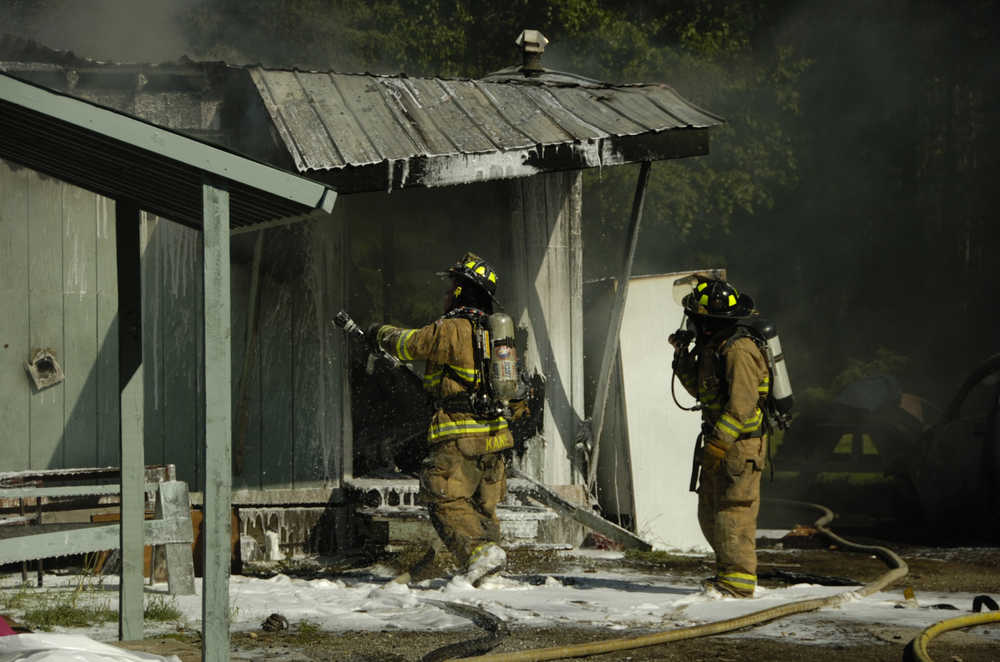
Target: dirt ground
(406, 646)
(967, 569)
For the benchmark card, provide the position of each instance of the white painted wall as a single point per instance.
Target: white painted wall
(660, 435)
(546, 301)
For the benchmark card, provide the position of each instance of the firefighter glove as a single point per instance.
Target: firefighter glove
(713, 453)
(371, 336)
(680, 339)
(519, 408)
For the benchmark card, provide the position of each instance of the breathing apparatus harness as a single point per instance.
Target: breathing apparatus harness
(776, 410)
(495, 358)
(777, 404)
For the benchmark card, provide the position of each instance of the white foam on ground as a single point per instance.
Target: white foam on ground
(606, 600)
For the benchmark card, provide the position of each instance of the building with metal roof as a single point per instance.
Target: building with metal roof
(426, 169)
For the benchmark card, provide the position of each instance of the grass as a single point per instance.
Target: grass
(64, 613)
(161, 609)
(16, 601)
(75, 606)
(45, 609)
(307, 631)
(662, 559)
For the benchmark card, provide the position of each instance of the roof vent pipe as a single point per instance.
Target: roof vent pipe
(532, 44)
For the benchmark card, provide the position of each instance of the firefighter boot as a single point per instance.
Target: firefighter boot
(716, 586)
(487, 559)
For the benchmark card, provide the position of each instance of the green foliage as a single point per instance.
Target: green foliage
(885, 362)
(709, 52)
(159, 608)
(15, 600)
(82, 605)
(652, 557)
(307, 630)
(65, 613)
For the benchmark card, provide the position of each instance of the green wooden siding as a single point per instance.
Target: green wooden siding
(80, 341)
(58, 290)
(108, 399)
(14, 387)
(293, 432)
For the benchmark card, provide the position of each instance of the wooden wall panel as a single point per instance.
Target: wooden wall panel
(173, 341)
(331, 239)
(547, 254)
(152, 246)
(81, 341)
(45, 314)
(293, 433)
(276, 384)
(308, 409)
(58, 290)
(15, 389)
(108, 450)
(246, 474)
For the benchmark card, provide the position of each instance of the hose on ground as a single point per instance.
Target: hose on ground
(916, 650)
(897, 570)
(496, 631)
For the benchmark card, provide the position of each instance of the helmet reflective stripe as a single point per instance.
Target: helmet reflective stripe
(475, 269)
(717, 298)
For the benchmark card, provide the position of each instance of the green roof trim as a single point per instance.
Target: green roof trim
(62, 119)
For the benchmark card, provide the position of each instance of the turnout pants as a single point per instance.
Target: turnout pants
(461, 492)
(728, 503)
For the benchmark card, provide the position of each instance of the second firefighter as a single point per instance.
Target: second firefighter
(728, 374)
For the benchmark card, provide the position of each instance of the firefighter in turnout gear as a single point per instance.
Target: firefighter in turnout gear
(463, 478)
(729, 376)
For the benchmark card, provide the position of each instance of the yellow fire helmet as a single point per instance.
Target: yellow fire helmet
(474, 269)
(717, 298)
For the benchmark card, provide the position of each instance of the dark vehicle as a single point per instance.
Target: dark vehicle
(880, 456)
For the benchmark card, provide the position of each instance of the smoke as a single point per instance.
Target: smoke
(105, 30)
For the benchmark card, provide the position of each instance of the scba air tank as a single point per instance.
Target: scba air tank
(781, 385)
(503, 359)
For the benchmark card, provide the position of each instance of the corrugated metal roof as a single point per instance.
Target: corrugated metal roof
(441, 131)
(121, 156)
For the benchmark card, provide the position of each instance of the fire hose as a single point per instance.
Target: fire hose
(897, 570)
(916, 650)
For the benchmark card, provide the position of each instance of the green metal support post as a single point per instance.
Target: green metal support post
(133, 479)
(218, 424)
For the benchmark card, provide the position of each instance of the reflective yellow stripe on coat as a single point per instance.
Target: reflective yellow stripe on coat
(730, 428)
(465, 427)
